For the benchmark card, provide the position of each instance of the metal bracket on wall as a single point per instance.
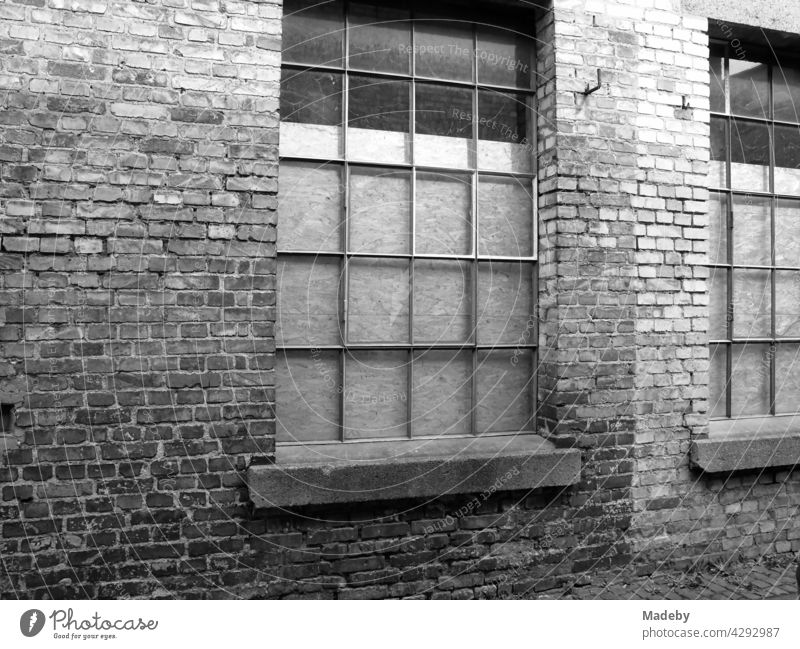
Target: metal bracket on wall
(589, 90)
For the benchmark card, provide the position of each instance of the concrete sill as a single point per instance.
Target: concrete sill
(748, 444)
(376, 471)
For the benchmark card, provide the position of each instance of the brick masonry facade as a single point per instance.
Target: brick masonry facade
(139, 147)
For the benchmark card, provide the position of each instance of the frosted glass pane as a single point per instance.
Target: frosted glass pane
(787, 229)
(717, 381)
(376, 395)
(308, 301)
(505, 385)
(382, 147)
(718, 297)
(444, 49)
(442, 301)
(750, 374)
(504, 58)
(380, 210)
(307, 390)
(751, 231)
(378, 301)
(442, 393)
(310, 209)
(380, 38)
(313, 32)
(787, 378)
(786, 93)
(443, 125)
(504, 133)
(787, 303)
(787, 160)
(505, 217)
(443, 151)
(751, 303)
(750, 156)
(749, 82)
(505, 302)
(443, 206)
(311, 140)
(718, 167)
(718, 226)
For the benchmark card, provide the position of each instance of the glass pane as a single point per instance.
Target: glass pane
(308, 301)
(750, 372)
(442, 393)
(443, 207)
(505, 387)
(787, 303)
(787, 226)
(505, 216)
(442, 301)
(378, 104)
(717, 81)
(380, 38)
(307, 390)
(751, 231)
(375, 401)
(444, 49)
(378, 301)
(443, 125)
(718, 168)
(718, 298)
(787, 378)
(750, 156)
(786, 93)
(787, 160)
(380, 210)
(504, 132)
(504, 58)
(718, 222)
(310, 209)
(313, 32)
(749, 88)
(751, 303)
(311, 97)
(717, 381)
(505, 303)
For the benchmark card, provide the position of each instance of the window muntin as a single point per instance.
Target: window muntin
(754, 237)
(406, 245)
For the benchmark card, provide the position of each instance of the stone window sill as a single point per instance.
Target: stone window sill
(742, 444)
(376, 471)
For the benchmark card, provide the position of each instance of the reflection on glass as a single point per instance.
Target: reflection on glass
(752, 299)
(751, 230)
(375, 401)
(749, 82)
(787, 378)
(750, 377)
(378, 104)
(505, 216)
(505, 387)
(718, 228)
(786, 93)
(442, 393)
(311, 206)
(380, 38)
(505, 302)
(787, 160)
(504, 58)
(442, 301)
(504, 142)
(380, 210)
(750, 155)
(787, 223)
(308, 301)
(443, 125)
(443, 207)
(444, 49)
(311, 97)
(307, 388)
(378, 301)
(717, 381)
(313, 32)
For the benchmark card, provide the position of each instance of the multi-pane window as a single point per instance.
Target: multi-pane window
(755, 236)
(407, 236)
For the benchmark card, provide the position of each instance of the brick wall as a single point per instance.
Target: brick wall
(138, 145)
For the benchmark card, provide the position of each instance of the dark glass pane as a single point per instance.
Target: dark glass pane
(787, 160)
(379, 104)
(313, 32)
(751, 230)
(307, 390)
(444, 49)
(787, 224)
(380, 38)
(311, 97)
(503, 118)
(787, 378)
(718, 222)
(443, 110)
(750, 373)
(786, 92)
(716, 65)
(717, 381)
(752, 299)
(749, 83)
(504, 58)
(718, 167)
(375, 399)
(750, 155)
